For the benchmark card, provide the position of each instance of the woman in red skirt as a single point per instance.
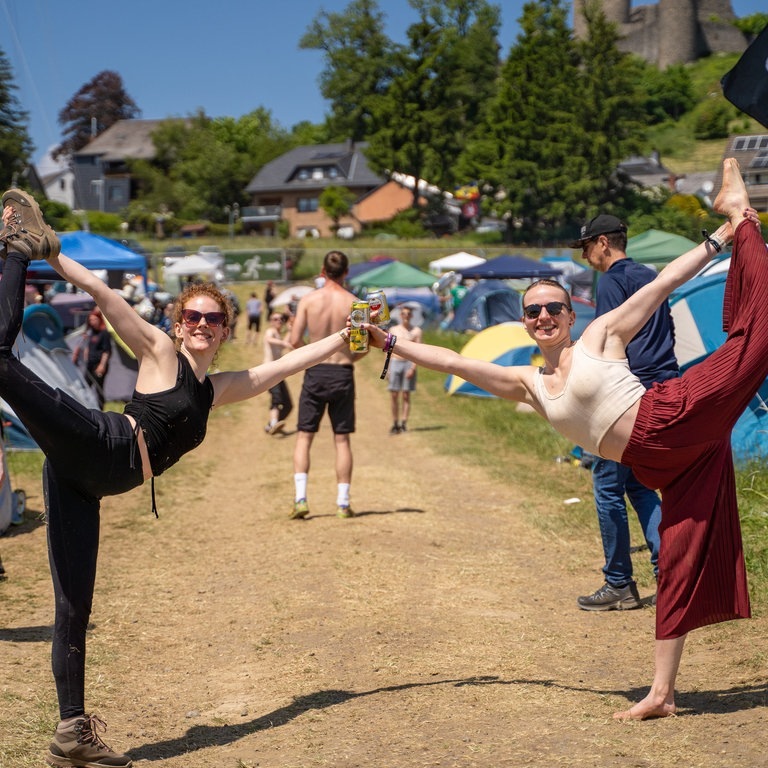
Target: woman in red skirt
(675, 436)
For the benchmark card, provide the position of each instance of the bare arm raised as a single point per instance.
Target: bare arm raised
(139, 335)
(609, 334)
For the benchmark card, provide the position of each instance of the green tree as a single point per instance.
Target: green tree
(337, 202)
(203, 164)
(527, 147)
(100, 103)
(15, 144)
(752, 25)
(358, 65)
(668, 93)
(566, 113)
(610, 118)
(443, 79)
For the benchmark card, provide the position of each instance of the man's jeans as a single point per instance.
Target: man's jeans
(611, 481)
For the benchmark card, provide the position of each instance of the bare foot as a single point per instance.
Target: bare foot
(732, 198)
(646, 709)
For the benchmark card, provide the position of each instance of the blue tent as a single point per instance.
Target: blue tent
(697, 309)
(509, 267)
(488, 303)
(93, 252)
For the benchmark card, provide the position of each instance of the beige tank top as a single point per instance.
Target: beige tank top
(596, 393)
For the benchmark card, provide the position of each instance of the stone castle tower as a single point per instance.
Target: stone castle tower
(672, 31)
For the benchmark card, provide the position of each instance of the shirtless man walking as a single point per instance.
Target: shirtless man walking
(330, 385)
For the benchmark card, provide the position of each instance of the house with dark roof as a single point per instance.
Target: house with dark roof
(751, 151)
(288, 189)
(102, 180)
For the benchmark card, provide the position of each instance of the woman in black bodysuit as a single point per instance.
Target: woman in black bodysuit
(90, 453)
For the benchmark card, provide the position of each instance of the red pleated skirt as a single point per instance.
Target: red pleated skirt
(681, 444)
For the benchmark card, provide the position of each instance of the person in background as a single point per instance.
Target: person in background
(269, 294)
(253, 309)
(281, 404)
(90, 453)
(330, 385)
(402, 373)
(651, 356)
(676, 435)
(95, 348)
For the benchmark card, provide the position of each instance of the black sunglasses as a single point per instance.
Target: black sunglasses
(193, 317)
(532, 311)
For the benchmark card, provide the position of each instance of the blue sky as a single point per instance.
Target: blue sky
(227, 57)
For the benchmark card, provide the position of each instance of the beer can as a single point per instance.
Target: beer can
(378, 303)
(358, 336)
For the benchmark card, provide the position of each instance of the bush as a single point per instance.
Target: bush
(712, 122)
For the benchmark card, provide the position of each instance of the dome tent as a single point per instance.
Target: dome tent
(487, 303)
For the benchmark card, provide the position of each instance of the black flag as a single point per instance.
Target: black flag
(746, 85)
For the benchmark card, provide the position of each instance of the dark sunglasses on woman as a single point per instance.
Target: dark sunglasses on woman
(192, 317)
(554, 308)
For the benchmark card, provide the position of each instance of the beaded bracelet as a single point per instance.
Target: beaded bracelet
(389, 345)
(713, 241)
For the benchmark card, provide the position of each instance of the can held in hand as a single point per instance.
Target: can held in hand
(378, 303)
(358, 336)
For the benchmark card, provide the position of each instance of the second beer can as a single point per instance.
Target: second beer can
(378, 303)
(358, 336)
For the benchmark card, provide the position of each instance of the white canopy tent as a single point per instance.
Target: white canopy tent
(192, 265)
(454, 262)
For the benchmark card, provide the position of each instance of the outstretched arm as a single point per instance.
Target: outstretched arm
(137, 333)
(610, 333)
(508, 382)
(613, 331)
(233, 386)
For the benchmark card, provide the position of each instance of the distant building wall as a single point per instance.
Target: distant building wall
(671, 31)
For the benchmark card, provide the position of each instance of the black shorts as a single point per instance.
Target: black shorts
(332, 386)
(254, 323)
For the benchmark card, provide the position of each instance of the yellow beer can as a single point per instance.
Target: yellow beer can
(358, 336)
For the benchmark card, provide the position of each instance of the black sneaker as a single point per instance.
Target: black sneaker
(26, 232)
(78, 745)
(610, 598)
(395, 429)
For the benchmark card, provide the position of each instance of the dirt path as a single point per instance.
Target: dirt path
(436, 628)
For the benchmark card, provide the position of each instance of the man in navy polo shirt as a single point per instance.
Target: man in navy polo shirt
(651, 355)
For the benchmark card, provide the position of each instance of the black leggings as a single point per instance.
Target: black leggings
(89, 454)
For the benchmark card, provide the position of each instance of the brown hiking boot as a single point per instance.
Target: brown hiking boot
(26, 232)
(77, 744)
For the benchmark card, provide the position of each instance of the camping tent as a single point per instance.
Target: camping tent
(487, 303)
(697, 312)
(365, 266)
(508, 267)
(460, 260)
(657, 247)
(392, 275)
(292, 293)
(42, 348)
(504, 344)
(192, 265)
(94, 252)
